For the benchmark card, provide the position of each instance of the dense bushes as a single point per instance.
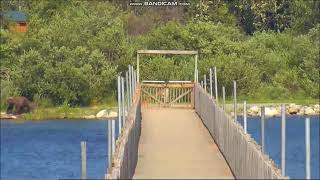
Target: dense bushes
(281, 63)
(70, 56)
(74, 49)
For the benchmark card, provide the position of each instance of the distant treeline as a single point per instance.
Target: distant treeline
(73, 50)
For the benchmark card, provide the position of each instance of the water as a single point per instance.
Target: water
(295, 142)
(51, 149)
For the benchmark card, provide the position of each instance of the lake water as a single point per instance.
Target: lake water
(295, 144)
(51, 149)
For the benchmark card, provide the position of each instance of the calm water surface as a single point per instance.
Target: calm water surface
(51, 149)
(295, 144)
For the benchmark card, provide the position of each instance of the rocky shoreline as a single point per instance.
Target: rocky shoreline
(252, 111)
(292, 109)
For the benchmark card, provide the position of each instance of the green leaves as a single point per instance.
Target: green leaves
(74, 49)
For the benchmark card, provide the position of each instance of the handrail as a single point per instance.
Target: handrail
(146, 81)
(242, 153)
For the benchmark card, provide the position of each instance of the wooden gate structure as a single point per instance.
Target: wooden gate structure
(167, 94)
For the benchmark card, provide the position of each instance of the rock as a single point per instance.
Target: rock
(316, 108)
(113, 114)
(9, 116)
(293, 108)
(309, 111)
(102, 113)
(253, 111)
(89, 117)
(301, 111)
(271, 111)
(106, 114)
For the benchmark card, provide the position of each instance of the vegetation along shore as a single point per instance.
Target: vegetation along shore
(68, 57)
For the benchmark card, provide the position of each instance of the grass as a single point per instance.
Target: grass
(45, 111)
(62, 112)
(298, 100)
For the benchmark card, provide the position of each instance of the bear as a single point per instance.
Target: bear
(18, 105)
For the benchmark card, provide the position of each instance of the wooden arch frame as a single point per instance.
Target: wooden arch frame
(174, 52)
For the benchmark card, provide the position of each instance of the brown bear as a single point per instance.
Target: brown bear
(19, 105)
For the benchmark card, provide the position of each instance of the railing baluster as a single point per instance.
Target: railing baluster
(216, 84)
(223, 98)
(235, 100)
(210, 82)
(119, 104)
(262, 128)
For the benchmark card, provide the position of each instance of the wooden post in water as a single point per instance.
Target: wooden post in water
(308, 162)
(283, 140)
(211, 82)
(245, 116)
(216, 84)
(119, 104)
(235, 100)
(122, 102)
(109, 144)
(83, 160)
(262, 127)
(223, 98)
(205, 83)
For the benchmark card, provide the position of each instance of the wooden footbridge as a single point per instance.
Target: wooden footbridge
(177, 129)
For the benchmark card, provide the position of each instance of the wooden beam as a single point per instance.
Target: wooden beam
(149, 95)
(189, 85)
(181, 52)
(184, 94)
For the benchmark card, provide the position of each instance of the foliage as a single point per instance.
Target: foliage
(73, 50)
(66, 60)
(279, 64)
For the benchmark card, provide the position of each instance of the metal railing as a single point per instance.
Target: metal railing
(123, 147)
(243, 154)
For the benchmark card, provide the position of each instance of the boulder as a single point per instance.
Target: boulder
(293, 108)
(316, 108)
(102, 113)
(106, 114)
(301, 111)
(271, 111)
(89, 117)
(253, 111)
(309, 111)
(113, 114)
(9, 116)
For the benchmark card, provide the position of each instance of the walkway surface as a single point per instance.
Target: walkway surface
(175, 144)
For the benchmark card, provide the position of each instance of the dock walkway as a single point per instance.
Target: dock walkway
(174, 143)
